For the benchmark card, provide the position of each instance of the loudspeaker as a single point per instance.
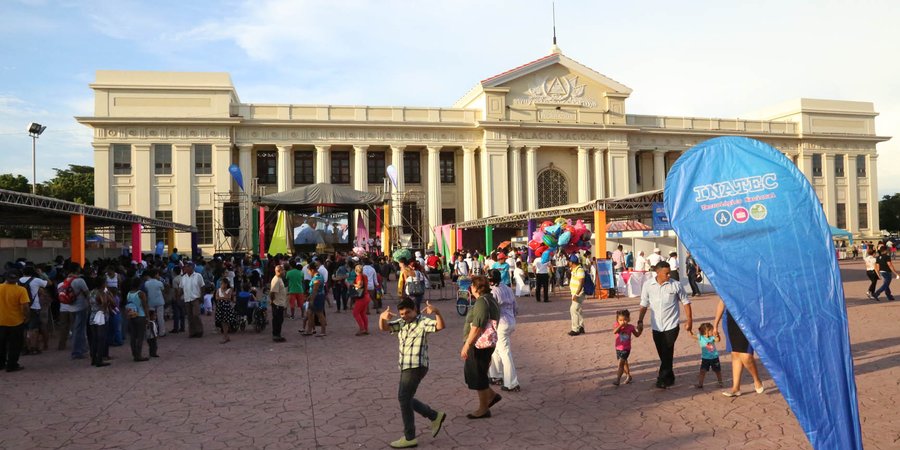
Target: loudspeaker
(231, 218)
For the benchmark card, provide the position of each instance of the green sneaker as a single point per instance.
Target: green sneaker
(403, 443)
(437, 423)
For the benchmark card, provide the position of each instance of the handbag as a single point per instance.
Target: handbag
(699, 278)
(356, 292)
(488, 337)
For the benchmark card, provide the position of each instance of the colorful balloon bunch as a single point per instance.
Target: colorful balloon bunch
(560, 234)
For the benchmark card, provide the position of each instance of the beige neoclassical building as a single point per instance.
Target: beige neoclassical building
(545, 133)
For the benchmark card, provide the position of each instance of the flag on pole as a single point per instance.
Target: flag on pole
(739, 206)
(279, 242)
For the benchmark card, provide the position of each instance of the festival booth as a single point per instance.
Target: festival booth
(320, 217)
(579, 226)
(842, 237)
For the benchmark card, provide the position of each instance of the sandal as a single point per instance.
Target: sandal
(493, 402)
(628, 379)
(483, 416)
(731, 394)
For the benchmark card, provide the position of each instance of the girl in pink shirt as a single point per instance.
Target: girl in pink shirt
(624, 331)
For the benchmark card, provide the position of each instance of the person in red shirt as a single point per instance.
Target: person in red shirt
(434, 265)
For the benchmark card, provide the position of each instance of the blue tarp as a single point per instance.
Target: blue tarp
(837, 232)
(754, 223)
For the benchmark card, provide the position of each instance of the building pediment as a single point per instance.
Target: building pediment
(554, 88)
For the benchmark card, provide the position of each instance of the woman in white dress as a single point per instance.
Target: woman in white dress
(521, 284)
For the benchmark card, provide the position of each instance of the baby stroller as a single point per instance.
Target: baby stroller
(260, 319)
(242, 308)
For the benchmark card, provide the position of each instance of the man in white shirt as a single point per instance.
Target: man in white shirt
(662, 295)
(372, 277)
(654, 258)
(542, 271)
(640, 263)
(34, 284)
(192, 290)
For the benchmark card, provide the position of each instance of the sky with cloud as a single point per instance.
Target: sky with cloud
(700, 58)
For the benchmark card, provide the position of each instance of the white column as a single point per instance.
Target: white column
(142, 202)
(872, 204)
(830, 200)
(284, 163)
(515, 183)
(852, 195)
(584, 181)
(599, 174)
(360, 174)
(103, 188)
(805, 164)
(632, 172)
(434, 190)
(397, 204)
(245, 162)
(531, 200)
(323, 164)
(495, 191)
(621, 170)
(659, 169)
(470, 193)
(183, 208)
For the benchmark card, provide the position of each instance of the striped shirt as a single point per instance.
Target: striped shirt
(413, 338)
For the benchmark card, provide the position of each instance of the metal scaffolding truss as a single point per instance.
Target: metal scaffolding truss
(20, 209)
(633, 205)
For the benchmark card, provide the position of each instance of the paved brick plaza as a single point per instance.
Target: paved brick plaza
(340, 391)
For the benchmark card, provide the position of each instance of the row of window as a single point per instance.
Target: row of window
(838, 165)
(376, 163)
(162, 159)
(862, 215)
(304, 169)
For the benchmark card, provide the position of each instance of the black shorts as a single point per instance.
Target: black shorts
(622, 354)
(34, 319)
(476, 368)
(736, 337)
(707, 364)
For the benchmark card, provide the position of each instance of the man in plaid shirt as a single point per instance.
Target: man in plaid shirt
(412, 330)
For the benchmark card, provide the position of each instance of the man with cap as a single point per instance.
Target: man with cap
(576, 288)
(14, 304)
(654, 258)
(503, 267)
(192, 289)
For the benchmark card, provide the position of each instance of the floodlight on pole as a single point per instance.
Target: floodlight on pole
(34, 130)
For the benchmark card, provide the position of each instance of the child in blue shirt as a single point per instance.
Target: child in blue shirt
(707, 338)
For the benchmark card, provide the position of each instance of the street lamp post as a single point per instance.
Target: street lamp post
(34, 130)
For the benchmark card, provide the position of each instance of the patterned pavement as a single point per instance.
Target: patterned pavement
(340, 391)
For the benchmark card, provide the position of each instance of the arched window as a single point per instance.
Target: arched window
(553, 189)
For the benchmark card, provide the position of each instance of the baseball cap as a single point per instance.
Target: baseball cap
(574, 259)
(501, 256)
(656, 250)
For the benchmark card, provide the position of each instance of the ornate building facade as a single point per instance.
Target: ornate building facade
(546, 133)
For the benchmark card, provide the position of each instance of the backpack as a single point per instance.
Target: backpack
(66, 293)
(415, 286)
(589, 286)
(27, 286)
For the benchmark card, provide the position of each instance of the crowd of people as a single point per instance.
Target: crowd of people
(110, 301)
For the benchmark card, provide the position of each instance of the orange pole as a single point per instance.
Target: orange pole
(77, 238)
(599, 238)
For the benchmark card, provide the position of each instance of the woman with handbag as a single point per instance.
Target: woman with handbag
(225, 314)
(694, 275)
(360, 296)
(480, 333)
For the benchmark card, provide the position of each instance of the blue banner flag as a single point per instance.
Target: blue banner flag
(236, 174)
(740, 206)
(605, 277)
(660, 218)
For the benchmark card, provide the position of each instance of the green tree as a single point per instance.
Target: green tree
(889, 213)
(75, 184)
(16, 183)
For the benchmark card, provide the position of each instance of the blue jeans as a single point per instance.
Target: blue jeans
(885, 286)
(79, 334)
(409, 383)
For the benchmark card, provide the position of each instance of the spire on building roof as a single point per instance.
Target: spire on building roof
(555, 49)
